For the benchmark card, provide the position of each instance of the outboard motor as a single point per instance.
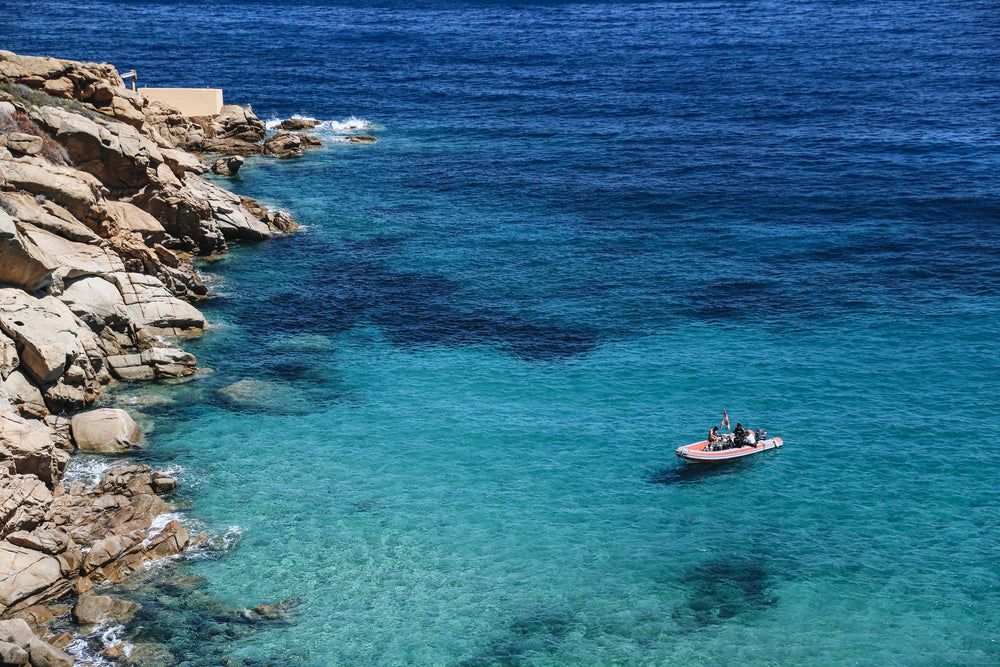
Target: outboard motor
(760, 434)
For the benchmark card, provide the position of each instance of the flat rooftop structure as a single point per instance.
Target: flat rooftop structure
(189, 101)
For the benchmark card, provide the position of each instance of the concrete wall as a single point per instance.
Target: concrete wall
(189, 101)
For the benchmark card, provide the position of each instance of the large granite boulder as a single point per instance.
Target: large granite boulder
(48, 215)
(54, 345)
(31, 447)
(96, 301)
(16, 631)
(228, 212)
(155, 363)
(115, 152)
(44, 654)
(76, 191)
(74, 258)
(284, 145)
(24, 396)
(12, 654)
(26, 144)
(22, 263)
(228, 166)
(154, 311)
(30, 573)
(105, 430)
(235, 131)
(25, 501)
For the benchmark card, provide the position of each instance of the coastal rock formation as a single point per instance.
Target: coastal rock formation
(101, 209)
(284, 145)
(297, 124)
(104, 430)
(227, 166)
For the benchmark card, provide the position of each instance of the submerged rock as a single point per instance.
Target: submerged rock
(93, 609)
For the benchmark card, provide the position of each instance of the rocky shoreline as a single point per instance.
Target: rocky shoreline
(102, 207)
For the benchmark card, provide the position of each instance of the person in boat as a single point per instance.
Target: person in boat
(713, 438)
(743, 437)
(740, 435)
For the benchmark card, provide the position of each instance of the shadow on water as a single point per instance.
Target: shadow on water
(524, 640)
(684, 473)
(723, 588)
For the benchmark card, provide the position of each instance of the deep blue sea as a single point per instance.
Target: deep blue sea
(440, 421)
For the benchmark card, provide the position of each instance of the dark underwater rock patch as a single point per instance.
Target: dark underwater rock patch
(539, 633)
(723, 588)
(414, 309)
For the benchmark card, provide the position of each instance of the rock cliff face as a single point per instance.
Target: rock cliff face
(101, 208)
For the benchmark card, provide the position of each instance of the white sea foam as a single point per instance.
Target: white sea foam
(273, 123)
(159, 523)
(332, 130)
(86, 649)
(352, 124)
(88, 470)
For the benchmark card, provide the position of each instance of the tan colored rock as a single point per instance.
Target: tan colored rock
(22, 263)
(310, 141)
(61, 87)
(134, 219)
(36, 616)
(12, 654)
(182, 161)
(75, 190)
(49, 216)
(26, 144)
(9, 361)
(32, 447)
(361, 139)
(283, 145)
(52, 541)
(228, 166)
(130, 367)
(24, 500)
(25, 397)
(296, 124)
(169, 362)
(105, 430)
(163, 483)
(46, 331)
(26, 572)
(44, 654)
(228, 212)
(152, 309)
(16, 631)
(93, 609)
(94, 300)
(62, 640)
(125, 111)
(74, 259)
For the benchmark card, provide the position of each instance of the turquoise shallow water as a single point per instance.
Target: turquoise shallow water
(489, 498)
(586, 230)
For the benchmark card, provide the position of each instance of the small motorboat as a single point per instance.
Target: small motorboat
(699, 452)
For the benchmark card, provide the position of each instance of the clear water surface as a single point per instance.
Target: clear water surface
(585, 230)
